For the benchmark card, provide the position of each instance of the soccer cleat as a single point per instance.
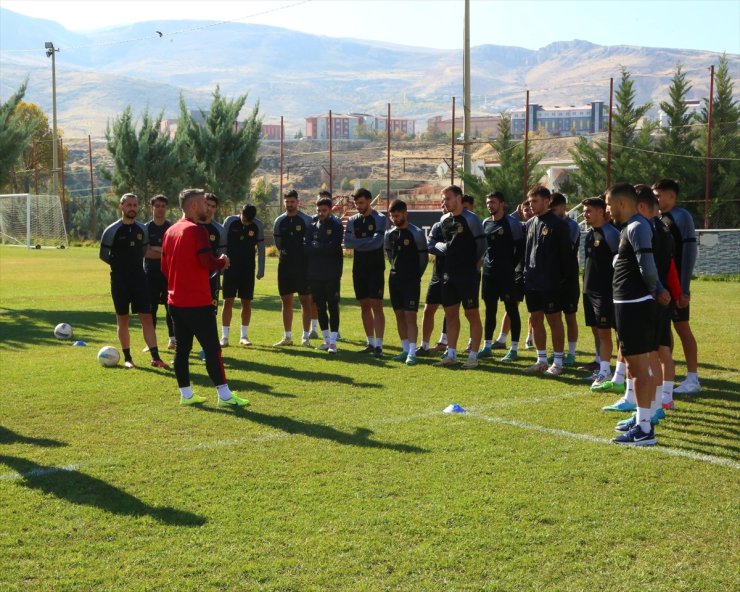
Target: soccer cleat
(627, 424)
(332, 348)
(687, 387)
(511, 356)
(469, 364)
(233, 402)
(536, 368)
(172, 344)
(554, 370)
(324, 346)
(590, 367)
(145, 350)
(400, 357)
(669, 406)
(599, 380)
(610, 387)
(636, 437)
(244, 341)
(339, 336)
(440, 347)
(224, 342)
(378, 353)
(160, 364)
(485, 353)
(411, 360)
(287, 341)
(305, 342)
(368, 349)
(621, 405)
(194, 400)
(313, 334)
(445, 362)
(202, 354)
(569, 360)
(659, 414)
(129, 364)
(423, 353)
(498, 345)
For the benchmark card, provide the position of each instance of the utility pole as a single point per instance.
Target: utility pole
(51, 53)
(466, 91)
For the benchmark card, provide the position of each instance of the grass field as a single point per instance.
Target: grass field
(344, 474)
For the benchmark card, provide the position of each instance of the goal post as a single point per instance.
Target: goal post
(32, 221)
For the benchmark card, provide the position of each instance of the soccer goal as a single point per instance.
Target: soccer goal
(32, 221)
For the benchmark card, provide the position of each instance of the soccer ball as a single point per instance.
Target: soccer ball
(108, 356)
(63, 331)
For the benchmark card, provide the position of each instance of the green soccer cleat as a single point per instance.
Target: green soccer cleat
(511, 356)
(194, 400)
(400, 357)
(233, 402)
(411, 360)
(609, 387)
(569, 360)
(485, 353)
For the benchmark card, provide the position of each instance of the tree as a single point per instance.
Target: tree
(14, 134)
(144, 161)
(298, 135)
(508, 177)
(632, 160)
(724, 176)
(262, 195)
(434, 134)
(221, 153)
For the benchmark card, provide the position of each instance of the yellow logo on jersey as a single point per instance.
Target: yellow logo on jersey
(370, 227)
(212, 237)
(133, 244)
(251, 233)
(298, 227)
(545, 230)
(328, 232)
(139, 237)
(460, 228)
(597, 243)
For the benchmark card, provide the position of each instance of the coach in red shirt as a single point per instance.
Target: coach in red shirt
(187, 263)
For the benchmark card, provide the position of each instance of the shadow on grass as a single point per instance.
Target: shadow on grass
(702, 447)
(297, 374)
(83, 490)
(243, 388)
(8, 436)
(360, 437)
(348, 351)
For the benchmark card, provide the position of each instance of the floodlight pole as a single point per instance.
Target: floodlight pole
(51, 53)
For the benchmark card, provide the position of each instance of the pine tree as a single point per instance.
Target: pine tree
(14, 134)
(509, 175)
(220, 154)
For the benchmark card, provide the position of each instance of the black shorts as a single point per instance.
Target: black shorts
(404, 293)
(598, 310)
(636, 323)
(369, 284)
(571, 296)
(547, 302)
(325, 290)
(130, 290)
(157, 286)
(292, 280)
(492, 290)
(663, 333)
(434, 292)
(680, 314)
(239, 283)
(461, 290)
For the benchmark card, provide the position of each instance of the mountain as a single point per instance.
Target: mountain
(296, 74)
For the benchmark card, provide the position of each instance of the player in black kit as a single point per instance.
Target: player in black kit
(156, 282)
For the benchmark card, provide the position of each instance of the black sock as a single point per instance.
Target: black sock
(127, 354)
(154, 351)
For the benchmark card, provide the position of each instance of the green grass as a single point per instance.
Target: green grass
(344, 475)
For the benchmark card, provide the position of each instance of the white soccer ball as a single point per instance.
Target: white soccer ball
(63, 331)
(108, 356)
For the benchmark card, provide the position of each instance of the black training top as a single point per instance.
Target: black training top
(464, 244)
(216, 237)
(547, 258)
(324, 249)
(156, 236)
(663, 250)
(504, 257)
(407, 252)
(243, 242)
(635, 274)
(289, 233)
(365, 235)
(601, 245)
(435, 238)
(681, 225)
(122, 246)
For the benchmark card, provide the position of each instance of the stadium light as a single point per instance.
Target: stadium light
(51, 53)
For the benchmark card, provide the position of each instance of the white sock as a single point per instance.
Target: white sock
(289, 334)
(186, 392)
(643, 418)
(473, 356)
(487, 343)
(572, 348)
(245, 329)
(620, 373)
(630, 392)
(515, 346)
(325, 333)
(604, 368)
(692, 376)
(333, 336)
(412, 349)
(452, 353)
(557, 359)
(405, 345)
(306, 334)
(667, 395)
(542, 356)
(370, 340)
(378, 342)
(424, 345)
(657, 399)
(225, 332)
(443, 338)
(172, 338)
(314, 324)
(502, 337)
(224, 392)
(597, 358)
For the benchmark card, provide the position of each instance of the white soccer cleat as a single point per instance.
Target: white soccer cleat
(224, 342)
(244, 341)
(284, 342)
(172, 344)
(332, 348)
(469, 364)
(690, 386)
(324, 346)
(305, 342)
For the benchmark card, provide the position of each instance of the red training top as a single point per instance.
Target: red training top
(187, 260)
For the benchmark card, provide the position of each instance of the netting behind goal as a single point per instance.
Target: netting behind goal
(32, 221)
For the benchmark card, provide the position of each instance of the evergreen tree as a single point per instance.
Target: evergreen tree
(263, 195)
(144, 161)
(220, 154)
(14, 134)
(508, 177)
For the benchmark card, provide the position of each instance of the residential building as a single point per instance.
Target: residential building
(481, 126)
(562, 121)
(344, 127)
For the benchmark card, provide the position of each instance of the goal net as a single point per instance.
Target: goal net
(32, 221)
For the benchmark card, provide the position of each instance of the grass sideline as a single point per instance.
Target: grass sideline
(343, 475)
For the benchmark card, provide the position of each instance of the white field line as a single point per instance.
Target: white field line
(38, 472)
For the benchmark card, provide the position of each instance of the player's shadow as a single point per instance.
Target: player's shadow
(715, 389)
(269, 302)
(8, 436)
(21, 329)
(702, 447)
(241, 387)
(360, 437)
(300, 375)
(348, 352)
(78, 488)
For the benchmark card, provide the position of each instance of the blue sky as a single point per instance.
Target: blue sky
(712, 25)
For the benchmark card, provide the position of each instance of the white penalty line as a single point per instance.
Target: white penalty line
(677, 452)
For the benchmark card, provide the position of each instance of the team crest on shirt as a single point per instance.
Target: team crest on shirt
(212, 237)
(597, 242)
(460, 228)
(370, 227)
(139, 237)
(500, 231)
(241, 238)
(603, 319)
(251, 233)
(298, 227)
(545, 231)
(328, 232)
(133, 244)
(406, 242)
